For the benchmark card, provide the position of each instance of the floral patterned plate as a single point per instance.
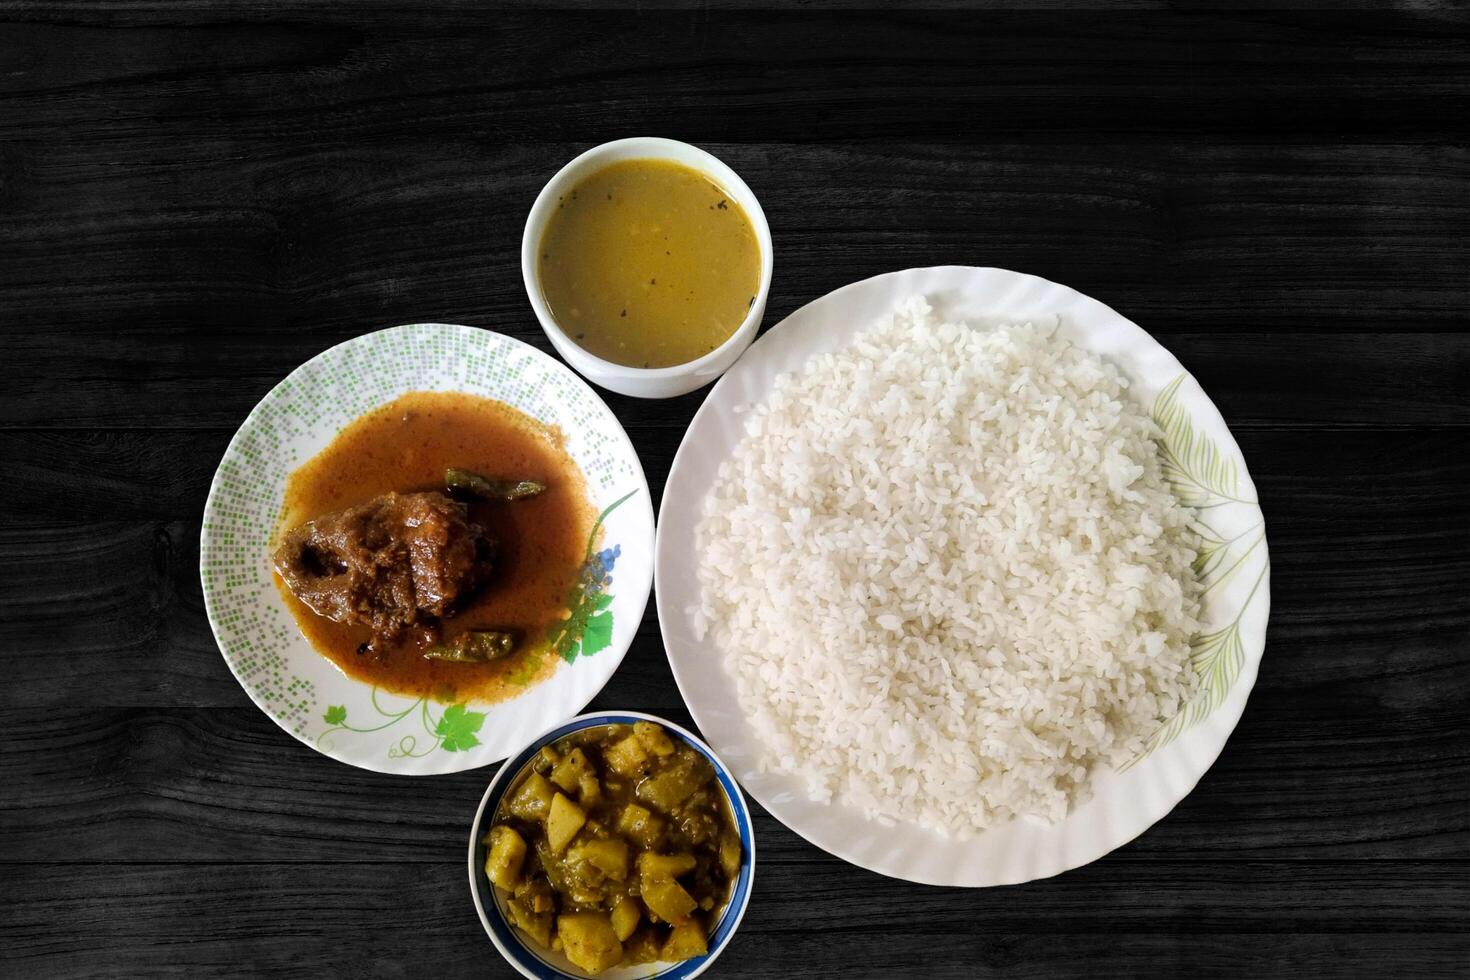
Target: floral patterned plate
(1202, 463)
(304, 692)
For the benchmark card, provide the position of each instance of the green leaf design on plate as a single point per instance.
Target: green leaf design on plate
(588, 627)
(336, 714)
(1194, 466)
(1204, 477)
(1212, 549)
(598, 635)
(567, 636)
(458, 727)
(1217, 657)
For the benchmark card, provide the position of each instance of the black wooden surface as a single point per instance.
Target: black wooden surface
(196, 198)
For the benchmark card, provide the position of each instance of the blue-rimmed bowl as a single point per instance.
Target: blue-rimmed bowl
(543, 964)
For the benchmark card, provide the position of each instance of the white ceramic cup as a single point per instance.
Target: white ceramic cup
(663, 382)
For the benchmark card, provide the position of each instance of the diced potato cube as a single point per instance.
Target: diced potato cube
(652, 866)
(584, 895)
(626, 915)
(562, 824)
(697, 824)
(535, 924)
(608, 856)
(730, 856)
(628, 757)
(589, 941)
(503, 860)
(666, 790)
(531, 799)
(588, 790)
(685, 942)
(536, 894)
(570, 770)
(653, 738)
(639, 825)
(668, 900)
(587, 879)
(642, 948)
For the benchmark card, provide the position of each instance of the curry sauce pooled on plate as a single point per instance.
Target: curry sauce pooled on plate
(648, 264)
(429, 548)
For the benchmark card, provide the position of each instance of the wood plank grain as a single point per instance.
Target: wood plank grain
(268, 239)
(469, 12)
(196, 198)
(1369, 543)
(148, 382)
(196, 282)
(231, 919)
(1383, 776)
(868, 75)
(1353, 743)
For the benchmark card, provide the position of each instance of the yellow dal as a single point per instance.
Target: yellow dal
(649, 263)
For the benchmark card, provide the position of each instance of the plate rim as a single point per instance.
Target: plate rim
(451, 762)
(1181, 786)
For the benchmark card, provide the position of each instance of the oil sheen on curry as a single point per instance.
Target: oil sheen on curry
(433, 544)
(648, 263)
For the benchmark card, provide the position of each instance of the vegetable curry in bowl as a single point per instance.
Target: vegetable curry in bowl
(615, 845)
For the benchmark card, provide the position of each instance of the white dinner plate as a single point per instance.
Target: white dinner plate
(1206, 469)
(302, 690)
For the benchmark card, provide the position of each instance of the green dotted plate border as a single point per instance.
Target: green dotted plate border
(302, 691)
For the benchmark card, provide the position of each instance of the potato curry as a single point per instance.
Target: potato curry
(616, 846)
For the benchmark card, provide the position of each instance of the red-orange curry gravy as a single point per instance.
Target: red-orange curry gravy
(406, 446)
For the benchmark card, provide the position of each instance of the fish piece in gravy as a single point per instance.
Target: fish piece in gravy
(399, 561)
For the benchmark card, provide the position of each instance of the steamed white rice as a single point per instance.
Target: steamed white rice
(947, 574)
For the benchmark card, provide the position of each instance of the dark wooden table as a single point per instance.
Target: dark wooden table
(195, 199)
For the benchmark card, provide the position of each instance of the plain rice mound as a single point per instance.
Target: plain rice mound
(947, 574)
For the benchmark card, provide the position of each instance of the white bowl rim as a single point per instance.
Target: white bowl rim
(659, 147)
(588, 720)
